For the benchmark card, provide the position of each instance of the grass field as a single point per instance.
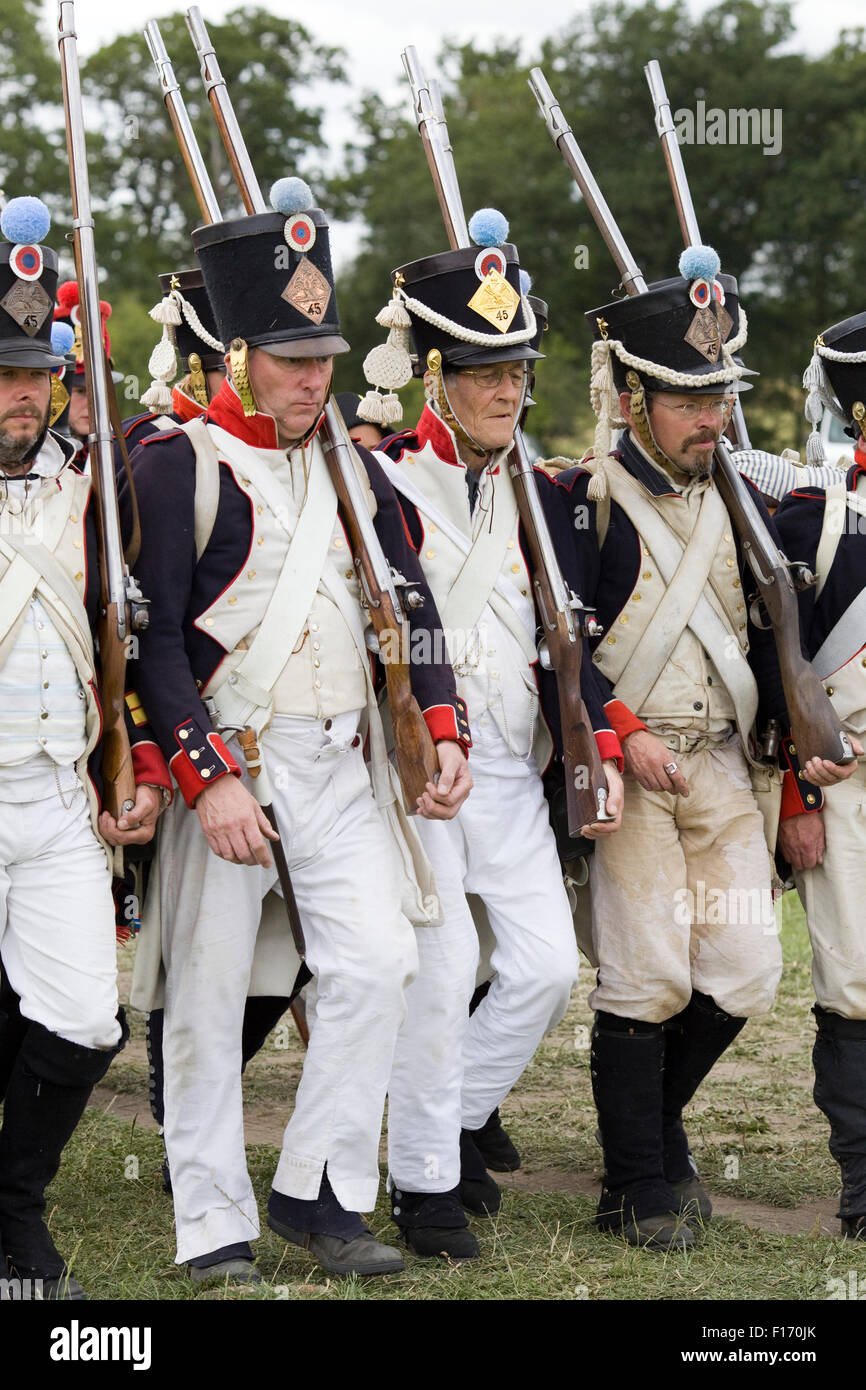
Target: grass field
(760, 1143)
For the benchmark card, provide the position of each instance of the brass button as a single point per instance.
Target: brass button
(316, 646)
(194, 754)
(245, 482)
(77, 544)
(810, 800)
(80, 575)
(515, 569)
(729, 562)
(260, 541)
(43, 714)
(208, 622)
(430, 554)
(728, 537)
(205, 772)
(338, 543)
(636, 598)
(251, 574)
(349, 574)
(316, 661)
(45, 685)
(72, 516)
(611, 641)
(45, 657)
(647, 574)
(741, 627)
(741, 606)
(646, 550)
(523, 591)
(831, 690)
(233, 599)
(623, 617)
(737, 584)
(431, 527)
(511, 545)
(183, 733)
(259, 510)
(317, 684)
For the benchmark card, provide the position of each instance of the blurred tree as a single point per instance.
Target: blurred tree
(785, 221)
(147, 206)
(32, 140)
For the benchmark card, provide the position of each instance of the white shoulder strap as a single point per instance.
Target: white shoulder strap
(207, 482)
(831, 532)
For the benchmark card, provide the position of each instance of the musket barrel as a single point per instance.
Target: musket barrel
(686, 214)
(430, 129)
(673, 155)
(217, 93)
(562, 135)
(179, 117)
(100, 437)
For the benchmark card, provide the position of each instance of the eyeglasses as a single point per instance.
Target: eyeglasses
(691, 410)
(488, 377)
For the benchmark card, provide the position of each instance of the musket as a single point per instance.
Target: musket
(564, 618)
(122, 609)
(815, 728)
(417, 763)
(683, 201)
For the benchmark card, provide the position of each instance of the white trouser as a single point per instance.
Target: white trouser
(833, 896)
(57, 936)
(681, 896)
(450, 1070)
(361, 951)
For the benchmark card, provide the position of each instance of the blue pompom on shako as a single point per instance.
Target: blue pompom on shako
(28, 283)
(488, 227)
(269, 277)
(699, 262)
(62, 338)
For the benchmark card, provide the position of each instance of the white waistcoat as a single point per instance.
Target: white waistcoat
(323, 676)
(491, 666)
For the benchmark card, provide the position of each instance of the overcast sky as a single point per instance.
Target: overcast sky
(374, 32)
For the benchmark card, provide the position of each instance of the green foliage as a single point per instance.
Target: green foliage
(32, 140)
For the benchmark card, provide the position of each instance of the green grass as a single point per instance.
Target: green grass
(756, 1108)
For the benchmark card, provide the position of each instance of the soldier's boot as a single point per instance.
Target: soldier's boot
(495, 1146)
(694, 1041)
(839, 1058)
(48, 1090)
(262, 1013)
(476, 1189)
(637, 1202)
(434, 1223)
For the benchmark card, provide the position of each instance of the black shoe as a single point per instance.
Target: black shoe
(693, 1200)
(362, 1255)
(854, 1227)
(434, 1223)
(477, 1190)
(664, 1231)
(494, 1145)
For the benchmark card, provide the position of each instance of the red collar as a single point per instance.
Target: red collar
(259, 430)
(185, 407)
(432, 430)
(860, 467)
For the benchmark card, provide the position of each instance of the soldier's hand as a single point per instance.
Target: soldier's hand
(822, 773)
(615, 797)
(801, 840)
(442, 800)
(136, 827)
(236, 827)
(647, 759)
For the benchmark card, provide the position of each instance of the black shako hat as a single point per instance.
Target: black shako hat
(190, 283)
(541, 310)
(457, 286)
(684, 326)
(269, 277)
(847, 378)
(28, 285)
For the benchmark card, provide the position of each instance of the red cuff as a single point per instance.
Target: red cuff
(796, 797)
(799, 797)
(148, 765)
(449, 722)
(609, 747)
(622, 721)
(201, 759)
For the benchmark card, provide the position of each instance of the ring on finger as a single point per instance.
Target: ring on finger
(671, 768)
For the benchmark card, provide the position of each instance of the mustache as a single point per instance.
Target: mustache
(702, 437)
(29, 411)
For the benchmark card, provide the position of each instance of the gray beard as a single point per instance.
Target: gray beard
(13, 451)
